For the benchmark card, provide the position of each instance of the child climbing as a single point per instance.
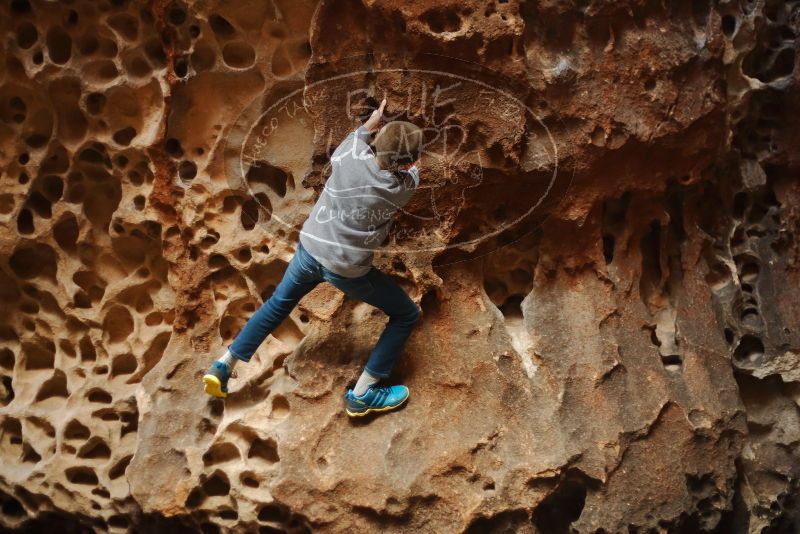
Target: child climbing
(349, 221)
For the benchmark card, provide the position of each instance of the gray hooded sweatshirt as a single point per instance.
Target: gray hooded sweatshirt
(353, 214)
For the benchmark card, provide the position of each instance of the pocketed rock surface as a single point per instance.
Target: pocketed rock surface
(625, 358)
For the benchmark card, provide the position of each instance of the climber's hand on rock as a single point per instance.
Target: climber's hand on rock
(374, 120)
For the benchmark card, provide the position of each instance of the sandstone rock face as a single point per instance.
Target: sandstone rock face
(625, 357)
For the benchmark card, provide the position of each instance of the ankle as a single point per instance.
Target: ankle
(365, 381)
(229, 360)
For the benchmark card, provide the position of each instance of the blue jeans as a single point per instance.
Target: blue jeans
(375, 288)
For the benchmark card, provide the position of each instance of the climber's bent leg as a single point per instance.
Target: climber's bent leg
(301, 276)
(297, 281)
(379, 290)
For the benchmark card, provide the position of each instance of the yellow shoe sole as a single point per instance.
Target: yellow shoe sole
(370, 410)
(213, 386)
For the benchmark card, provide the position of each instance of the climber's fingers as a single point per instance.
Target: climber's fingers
(374, 120)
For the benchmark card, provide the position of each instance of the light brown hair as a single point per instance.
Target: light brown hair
(398, 143)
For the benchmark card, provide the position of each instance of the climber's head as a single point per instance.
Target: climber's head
(398, 145)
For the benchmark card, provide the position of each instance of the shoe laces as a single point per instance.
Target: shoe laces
(377, 388)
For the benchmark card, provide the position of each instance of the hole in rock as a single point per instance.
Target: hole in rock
(173, 147)
(137, 66)
(75, 430)
(181, 66)
(561, 507)
(39, 355)
(20, 7)
(154, 319)
(782, 66)
(244, 255)
(273, 513)
(750, 316)
(442, 20)
(155, 52)
(176, 15)
(718, 276)
(118, 521)
(280, 407)
(131, 423)
(26, 35)
(55, 386)
(31, 308)
(125, 25)
(39, 204)
(218, 261)
(729, 336)
(728, 25)
(11, 507)
(33, 260)
(651, 277)
(608, 248)
(52, 187)
(229, 515)
(6, 359)
(740, 204)
(65, 232)
(273, 177)
(59, 45)
(221, 453)
(750, 349)
(250, 214)
(195, 498)
(124, 364)
(507, 522)
(99, 396)
(124, 136)
(238, 55)
(7, 390)
(187, 170)
(118, 324)
(25, 221)
(118, 469)
(86, 347)
(106, 414)
(672, 362)
(221, 27)
(748, 272)
(95, 449)
(217, 484)
(512, 308)
(95, 102)
(82, 475)
(266, 450)
(29, 454)
(249, 480)
(229, 204)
